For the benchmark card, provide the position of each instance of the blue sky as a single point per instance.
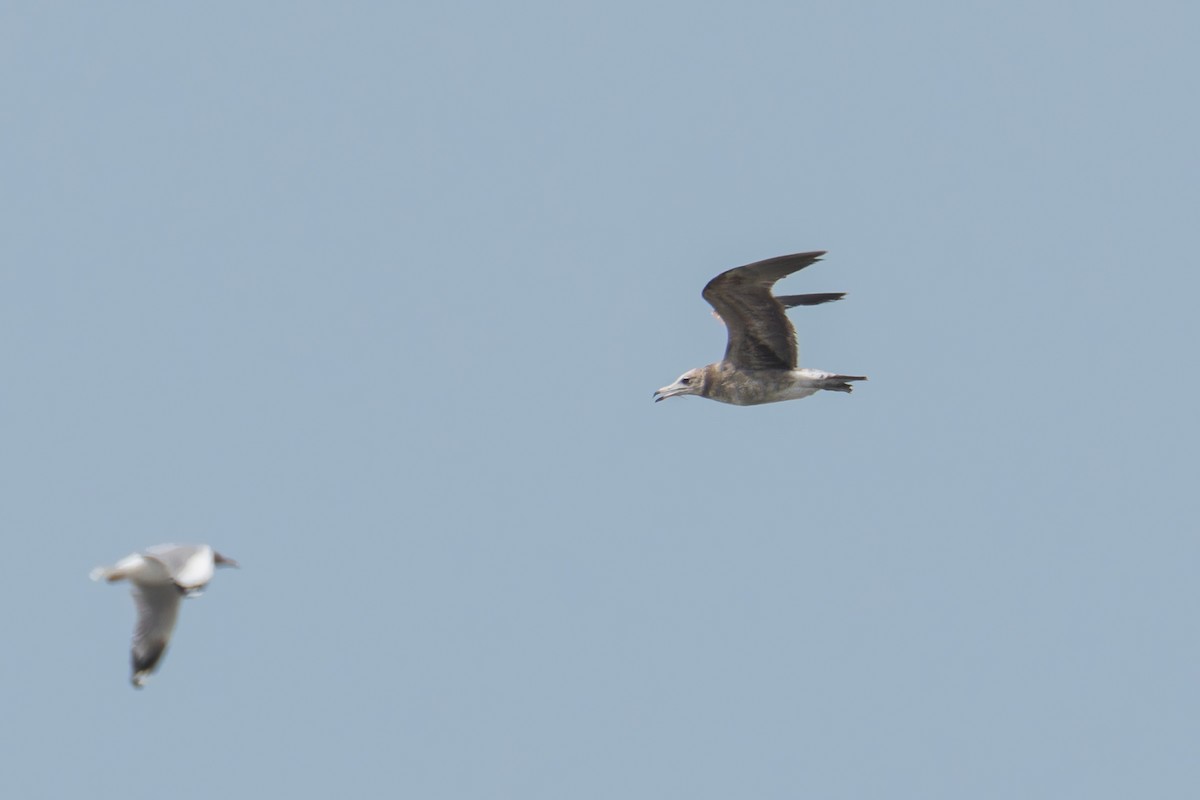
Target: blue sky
(373, 299)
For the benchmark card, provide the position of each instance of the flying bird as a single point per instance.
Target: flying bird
(760, 359)
(161, 576)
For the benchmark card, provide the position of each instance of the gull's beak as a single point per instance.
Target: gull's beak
(668, 391)
(225, 561)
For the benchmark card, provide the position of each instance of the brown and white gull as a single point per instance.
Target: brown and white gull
(161, 576)
(760, 363)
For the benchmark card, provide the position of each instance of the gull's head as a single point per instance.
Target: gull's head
(224, 561)
(690, 382)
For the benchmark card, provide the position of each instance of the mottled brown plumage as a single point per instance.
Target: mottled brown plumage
(760, 364)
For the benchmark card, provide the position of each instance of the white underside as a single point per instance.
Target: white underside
(806, 382)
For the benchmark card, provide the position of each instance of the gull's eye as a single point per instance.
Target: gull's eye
(685, 381)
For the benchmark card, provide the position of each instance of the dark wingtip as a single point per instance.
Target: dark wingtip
(224, 561)
(812, 255)
(793, 300)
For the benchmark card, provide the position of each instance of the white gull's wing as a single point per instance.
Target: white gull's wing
(190, 565)
(158, 608)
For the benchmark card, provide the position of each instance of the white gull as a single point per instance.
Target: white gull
(161, 576)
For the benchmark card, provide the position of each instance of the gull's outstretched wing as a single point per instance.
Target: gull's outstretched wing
(158, 608)
(760, 334)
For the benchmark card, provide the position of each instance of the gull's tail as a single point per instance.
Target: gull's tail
(841, 383)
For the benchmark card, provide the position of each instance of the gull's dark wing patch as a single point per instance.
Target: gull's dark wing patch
(760, 334)
(158, 608)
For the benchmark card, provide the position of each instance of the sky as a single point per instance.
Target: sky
(373, 298)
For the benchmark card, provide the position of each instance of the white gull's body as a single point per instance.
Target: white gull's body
(161, 577)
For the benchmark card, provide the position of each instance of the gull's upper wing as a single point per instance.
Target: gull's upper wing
(760, 334)
(158, 608)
